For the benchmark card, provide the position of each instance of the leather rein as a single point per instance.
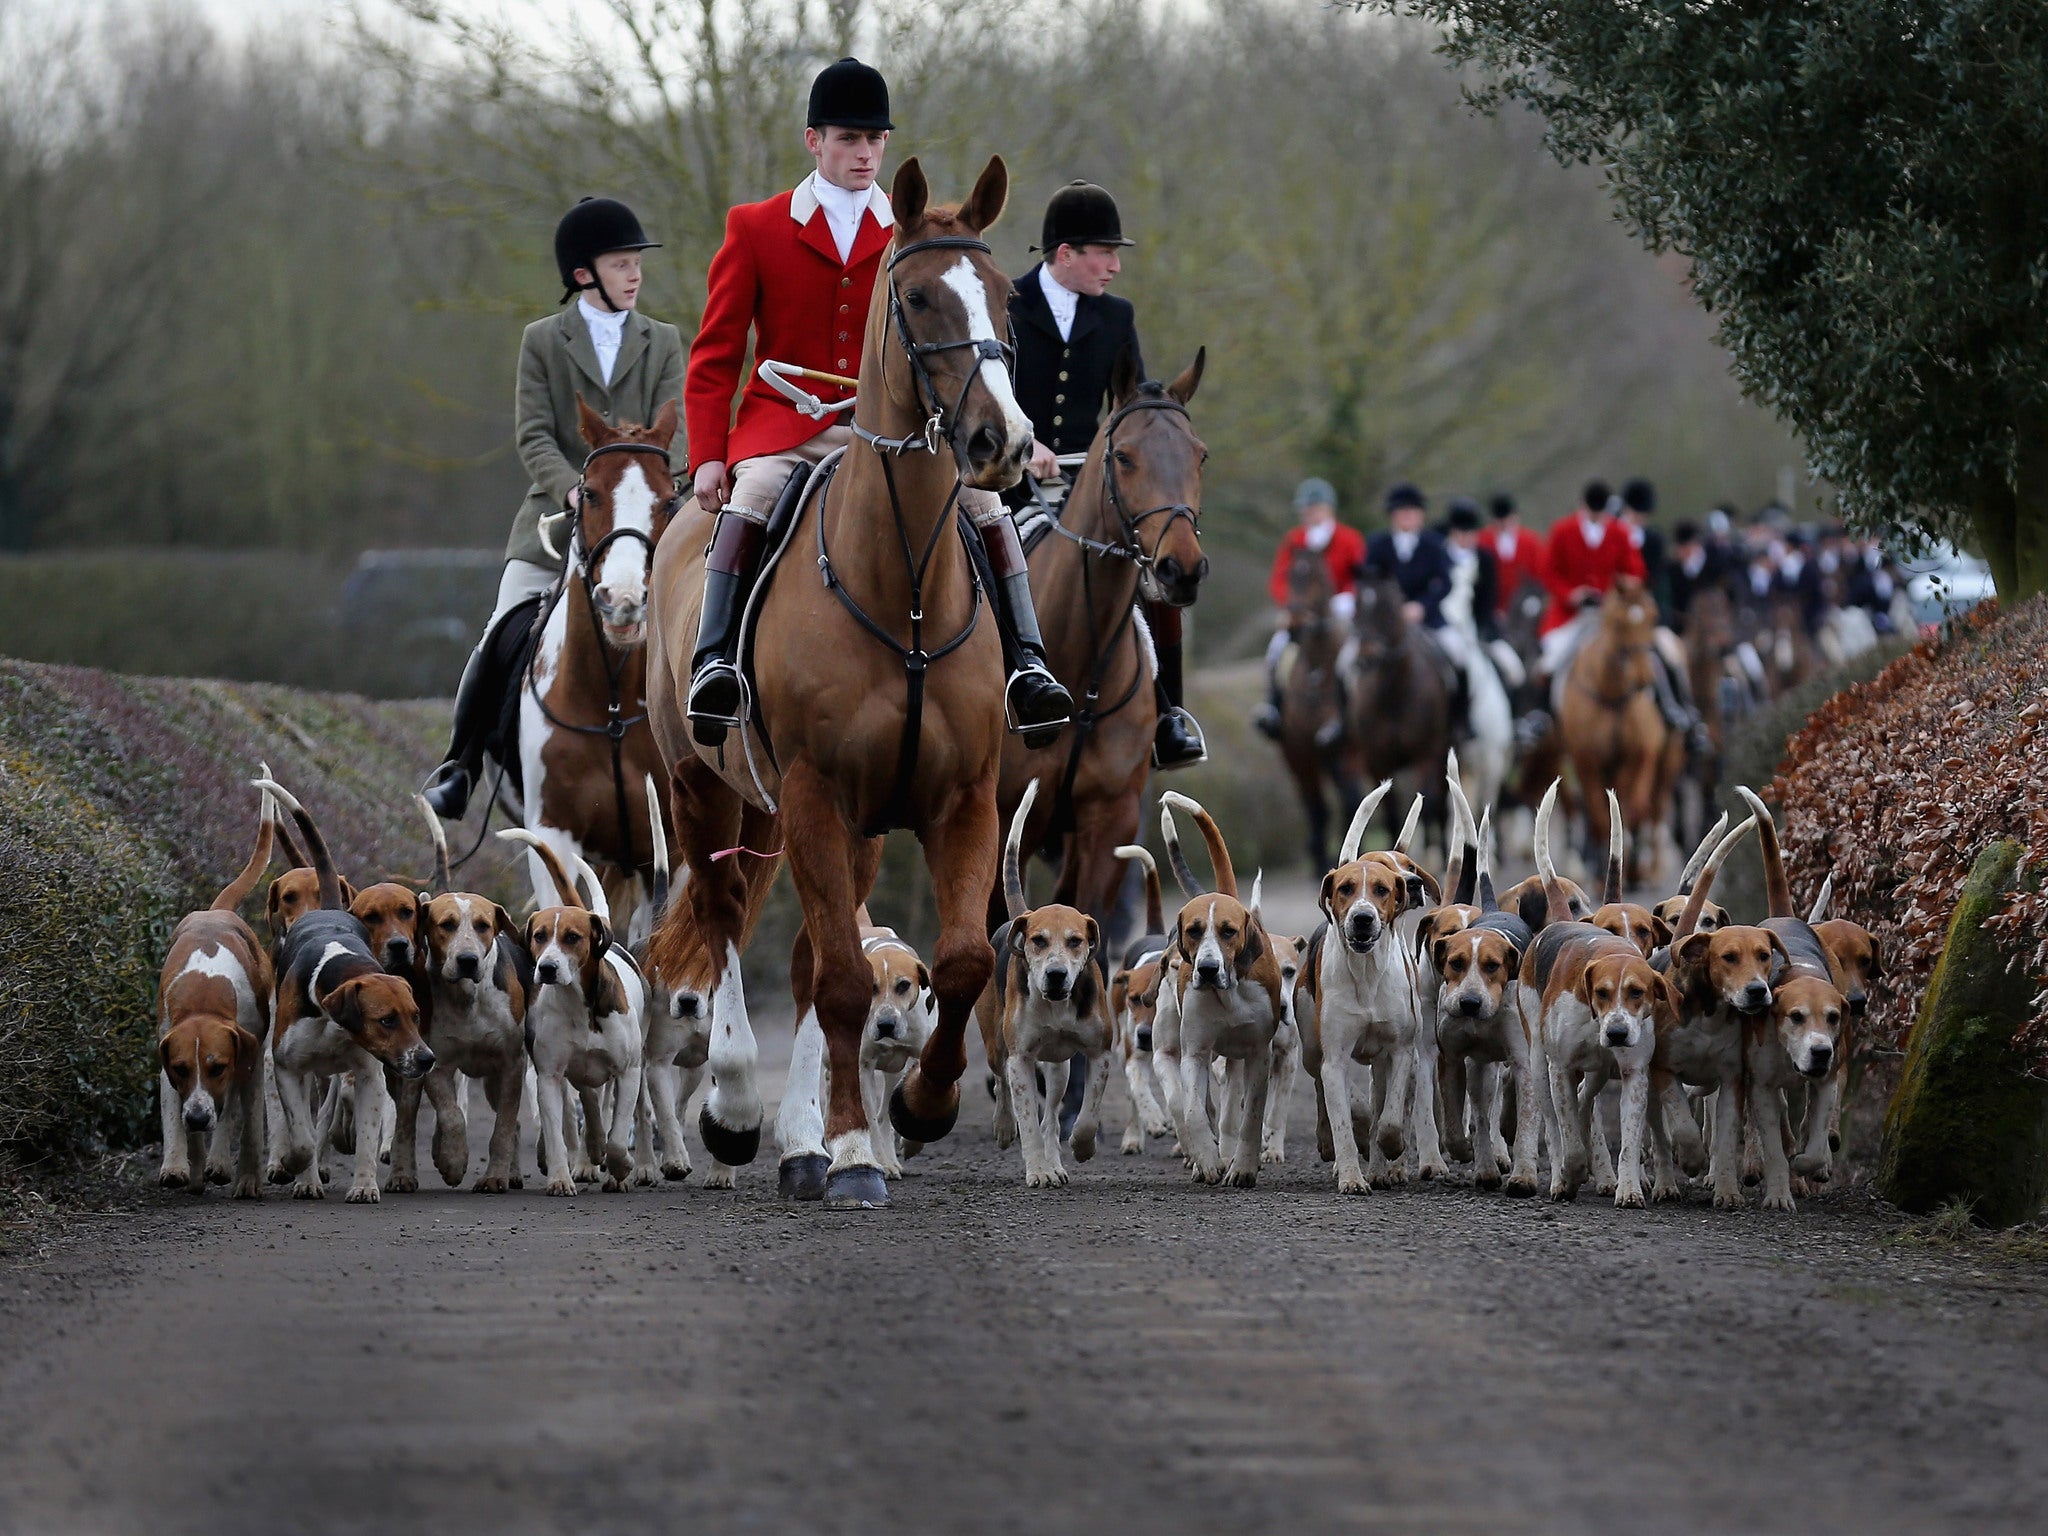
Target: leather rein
(585, 561)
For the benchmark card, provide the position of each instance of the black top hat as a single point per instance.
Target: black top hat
(1081, 213)
(850, 94)
(595, 226)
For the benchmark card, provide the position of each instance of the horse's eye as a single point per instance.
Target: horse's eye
(1123, 460)
(915, 299)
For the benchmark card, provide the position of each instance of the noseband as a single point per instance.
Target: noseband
(987, 350)
(593, 554)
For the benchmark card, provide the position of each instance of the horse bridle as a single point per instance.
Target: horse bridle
(1129, 543)
(987, 350)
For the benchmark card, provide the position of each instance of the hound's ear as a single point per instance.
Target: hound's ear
(1438, 952)
(344, 1004)
(1123, 376)
(1327, 895)
(908, 197)
(1252, 949)
(1016, 937)
(1876, 956)
(1582, 989)
(504, 921)
(272, 913)
(348, 893)
(1783, 959)
(589, 424)
(1094, 935)
(1667, 997)
(1692, 949)
(600, 936)
(1183, 388)
(924, 978)
(1514, 958)
(1660, 928)
(1176, 940)
(163, 1053)
(984, 204)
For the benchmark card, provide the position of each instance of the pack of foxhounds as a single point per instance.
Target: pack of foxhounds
(1439, 1022)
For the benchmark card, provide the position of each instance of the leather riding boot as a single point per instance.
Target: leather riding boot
(1177, 740)
(1035, 705)
(1266, 718)
(729, 568)
(449, 787)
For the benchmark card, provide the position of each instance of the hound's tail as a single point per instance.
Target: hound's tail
(1013, 865)
(1155, 911)
(1557, 904)
(442, 877)
(658, 834)
(1819, 914)
(1483, 862)
(1610, 893)
(1777, 891)
(1406, 841)
(237, 890)
(1219, 854)
(565, 887)
(1354, 835)
(1696, 899)
(316, 845)
(1177, 861)
(1460, 871)
(1258, 892)
(1693, 865)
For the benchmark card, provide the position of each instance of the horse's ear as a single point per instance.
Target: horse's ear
(984, 204)
(663, 431)
(909, 197)
(1123, 376)
(1183, 388)
(589, 423)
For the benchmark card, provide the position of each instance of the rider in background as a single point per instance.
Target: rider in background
(1517, 551)
(1586, 550)
(798, 271)
(1070, 330)
(626, 367)
(1638, 501)
(1343, 550)
(1465, 543)
(1416, 560)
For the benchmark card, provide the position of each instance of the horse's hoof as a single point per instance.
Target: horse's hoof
(735, 1147)
(802, 1177)
(856, 1189)
(912, 1126)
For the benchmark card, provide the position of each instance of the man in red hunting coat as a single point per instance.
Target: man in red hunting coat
(1518, 551)
(1587, 550)
(797, 271)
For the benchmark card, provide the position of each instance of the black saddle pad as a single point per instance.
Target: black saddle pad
(508, 650)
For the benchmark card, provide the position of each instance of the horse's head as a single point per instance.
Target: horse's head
(628, 496)
(949, 331)
(1152, 472)
(1308, 588)
(1628, 613)
(1381, 628)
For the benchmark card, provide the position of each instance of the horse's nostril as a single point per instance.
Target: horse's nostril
(1202, 569)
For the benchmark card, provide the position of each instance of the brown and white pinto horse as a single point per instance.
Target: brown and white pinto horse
(826, 769)
(1128, 529)
(1612, 728)
(584, 745)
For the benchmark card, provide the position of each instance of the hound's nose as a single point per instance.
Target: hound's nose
(468, 967)
(1055, 982)
(1144, 1037)
(686, 1005)
(1617, 1034)
(1209, 971)
(1469, 1006)
(886, 1026)
(420, 1062)
(397, 951)
(198, 1116)
(1819, 1059)
(1756, 995)
(1361, 930)
(1858, 1001)
(547, 973)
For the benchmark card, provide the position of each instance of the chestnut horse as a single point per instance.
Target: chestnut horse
(584, 745)
(1612, 729)
(834, 754)
(1318, 748)
(1128, 528)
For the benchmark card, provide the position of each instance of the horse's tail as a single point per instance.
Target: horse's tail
(1219, 854)
(441, 873)
(565, 887)
(316, 845)
(1557, 904)
(1354, 835)
(1483, 865)
(1777, 890)
(1170, 830)
(1696, 899)
(1155, 910)
(1611, 892)
(1819, 914)
(657, 834)
(1693, 865)
(1013, 867)
(237, 890)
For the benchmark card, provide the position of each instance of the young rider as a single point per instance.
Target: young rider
(1070, 330)
(1343, 550)
(1416, 560)
(625, 366)
(797, 271)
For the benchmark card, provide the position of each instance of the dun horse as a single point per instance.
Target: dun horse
(583, 737)
(1129, 528)
(1612, 729)
(1318, 749)
(877, 702)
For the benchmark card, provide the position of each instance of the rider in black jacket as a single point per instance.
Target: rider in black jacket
(1069, 333)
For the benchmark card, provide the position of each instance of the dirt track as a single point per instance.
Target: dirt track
(1130, 1353)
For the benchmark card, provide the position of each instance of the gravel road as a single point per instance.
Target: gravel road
(1131, 1353)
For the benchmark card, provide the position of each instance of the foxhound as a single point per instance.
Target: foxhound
(1133, 999)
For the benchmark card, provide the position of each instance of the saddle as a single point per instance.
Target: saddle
(508, 653)
(804, 482)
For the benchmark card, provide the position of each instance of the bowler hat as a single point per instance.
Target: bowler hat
(1081, 213)
(850, 94)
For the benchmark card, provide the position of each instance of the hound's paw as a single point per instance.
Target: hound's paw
(1390, 1178)
(1039, 1181)
(250, 1188)
(1273, 1156)
(1779, 1202)
(1605, 1186)
(1728, 1200)
(309, 1190)
(276, 1173)
(675, 1171)
(1459, 1149)
(1807, 1163)
(405, 1184)
(1522, 1188)
(1236, 1177)
(493, 1184)
(1629, 1197)
(1431, 1171)
(173, 1178)
(644, 1177)
(1132, 1144)
(1485, 1179)
(1082, 1143)
(1158, 1128)
(518, 1181)
(1801, 1188)
(1564, 1194)
(1353, 1184)
(363, 1194)
(585, 1173)
(222, 1173)
(1665, 1191)
(561, 1186)
(612, 1186)
(720, 1176)
(1208, 1175)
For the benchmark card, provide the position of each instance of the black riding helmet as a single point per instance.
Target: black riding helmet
(1079, 214)
(596, 227)
(850, 94)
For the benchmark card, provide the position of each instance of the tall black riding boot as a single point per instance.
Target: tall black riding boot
(1177, 740)
(479, 698)
(729, 568)
(1035, 706)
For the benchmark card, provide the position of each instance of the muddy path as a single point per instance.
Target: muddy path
(1131, 1353)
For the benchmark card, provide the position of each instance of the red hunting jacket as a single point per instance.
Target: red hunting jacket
(1524, 566)
(779, 275)
(1343, 554)
(1572, 563)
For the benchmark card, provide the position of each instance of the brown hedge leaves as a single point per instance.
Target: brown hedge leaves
(1896, 785)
